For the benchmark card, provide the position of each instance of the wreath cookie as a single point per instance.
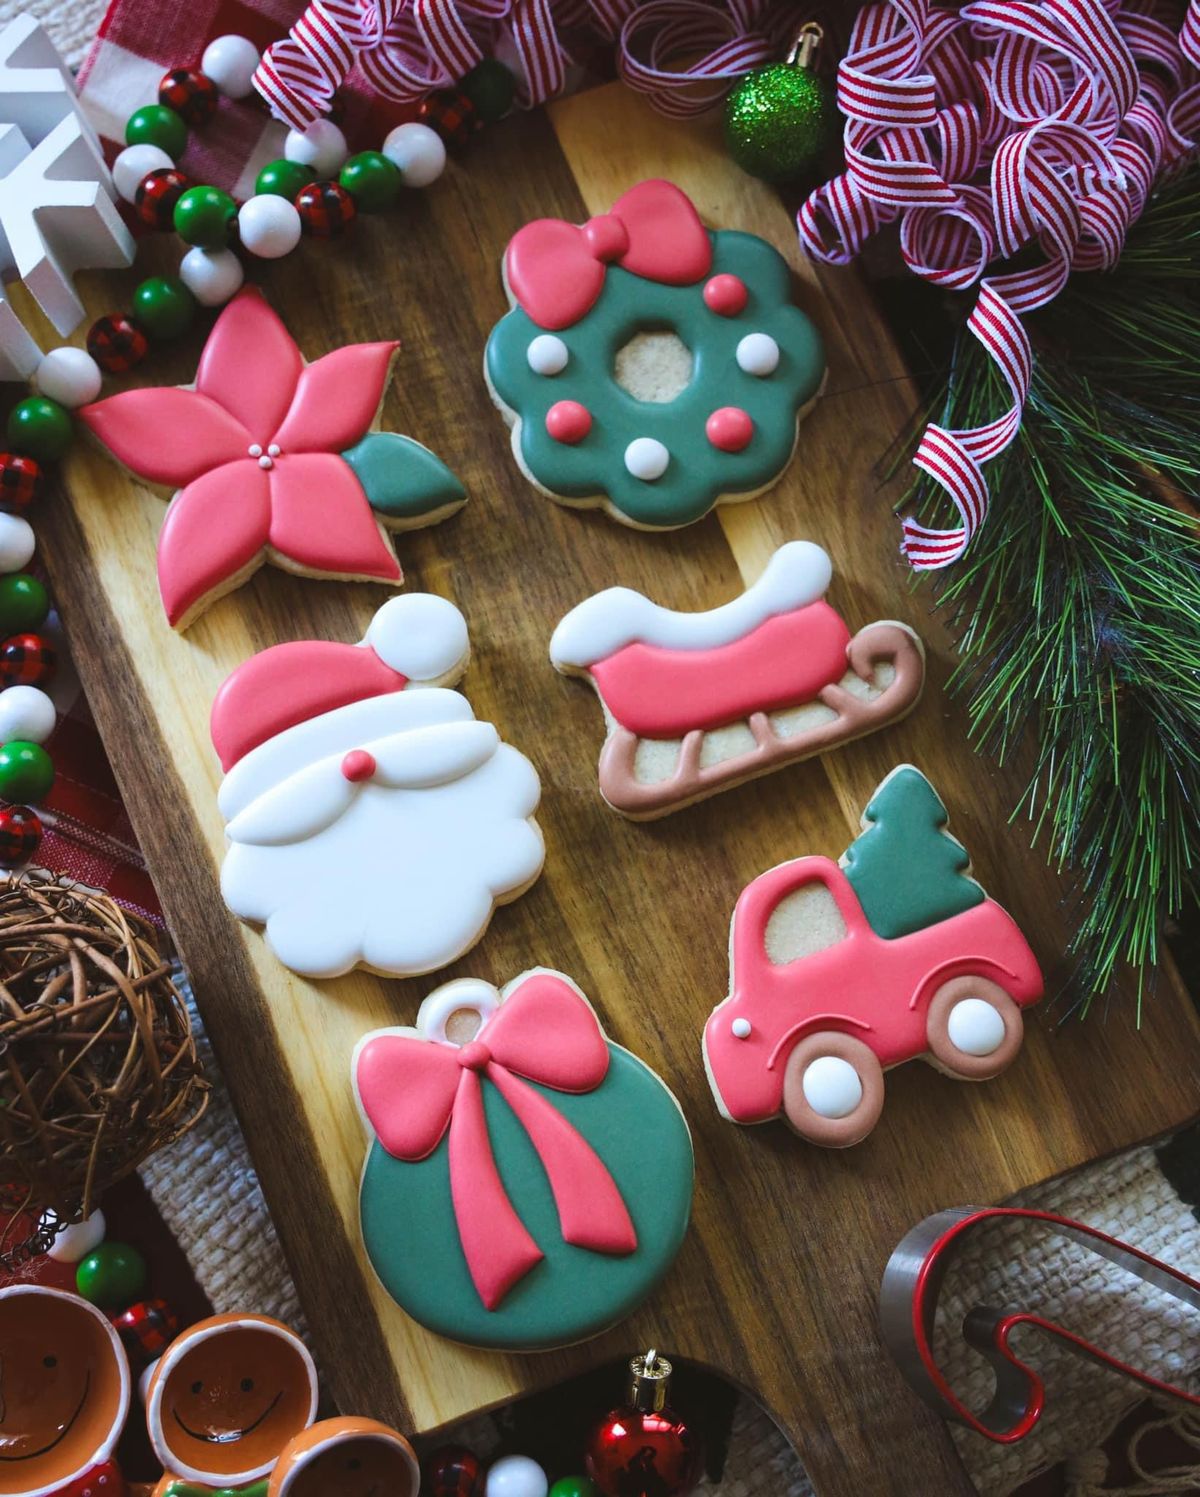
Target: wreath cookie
(649, 366)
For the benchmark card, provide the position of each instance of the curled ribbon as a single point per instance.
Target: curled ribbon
(413, 1089)
(984, 130)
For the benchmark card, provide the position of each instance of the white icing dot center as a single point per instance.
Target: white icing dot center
(255, 449)
(646, 458)
(264, 459)
(758, 354)
(975, 1027)
(742, 1029)
(547, 354)
(832, 1087)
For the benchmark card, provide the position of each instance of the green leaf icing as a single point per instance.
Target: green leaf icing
(401, 479)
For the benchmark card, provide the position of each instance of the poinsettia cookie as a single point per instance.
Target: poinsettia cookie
(528, 1182)
(371, 820)
(840, 971)
(699, 702)
(648, 365)
(273, 460)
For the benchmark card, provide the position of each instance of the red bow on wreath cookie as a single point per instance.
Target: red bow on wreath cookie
(413, 1089)
(556, 270)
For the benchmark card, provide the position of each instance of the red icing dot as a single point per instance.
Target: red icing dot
(358, 765)
(729, 429)
(568, 421)
(726, 295)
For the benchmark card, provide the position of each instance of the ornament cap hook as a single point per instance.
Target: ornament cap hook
(649, 1380)
(803, 53)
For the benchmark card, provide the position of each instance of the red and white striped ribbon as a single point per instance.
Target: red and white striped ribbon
(1005, 124)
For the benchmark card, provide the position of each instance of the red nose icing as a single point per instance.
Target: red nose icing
(358, 765)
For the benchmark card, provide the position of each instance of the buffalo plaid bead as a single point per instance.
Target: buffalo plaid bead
(147, 1329)
(190, 94)
(20, 481)
(157, 193)
(26, 660)
(326, 209)
(117, 343)
(452, 1471)
(451, 114)
(20, 835)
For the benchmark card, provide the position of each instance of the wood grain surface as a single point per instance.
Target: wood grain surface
(776, 1284)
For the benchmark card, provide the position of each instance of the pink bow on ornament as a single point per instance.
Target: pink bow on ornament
(556, 270)
(412, 1089)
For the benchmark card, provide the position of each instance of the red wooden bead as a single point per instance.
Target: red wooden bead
(452, 1471)
(20, 835)
(189, 93)
(147, 1329)
(27, 660)
(117, 343)
(326, 209)
(20, 481)
(157, 193)
(451, 114)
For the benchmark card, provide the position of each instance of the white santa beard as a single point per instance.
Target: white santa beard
(404, 882)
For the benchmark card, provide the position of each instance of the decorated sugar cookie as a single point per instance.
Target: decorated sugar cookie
(698, 702)
(843, 970)
(528, 1181)
(371, 820)
(649, 366)
(273, 460)
(224, 1401)
(64, 1395)
(346, 1457)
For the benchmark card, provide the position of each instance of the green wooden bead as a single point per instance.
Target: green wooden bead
(491, 87)
(204, 216)
(24, 603)
(283, 178)
(163, 306)
(26, 771)
(371, 180)
(156, 125)
(112, 1277)
(39, 428)
(575, 1486)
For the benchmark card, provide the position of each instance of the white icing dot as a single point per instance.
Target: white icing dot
(975, 1027)
(832, 1087)
(547, 354)
(758, 354)
(255, 449)
(647, 458)
(741, 1029)
(273, 450)
(266, 462)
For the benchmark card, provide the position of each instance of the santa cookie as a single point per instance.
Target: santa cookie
(347, 1457)
(528, 1181)
(371, 820)
(840, 971)
(649, 366)
(273, 460)
(699, 702)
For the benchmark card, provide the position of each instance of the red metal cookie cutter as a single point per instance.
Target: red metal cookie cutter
(908, 1303)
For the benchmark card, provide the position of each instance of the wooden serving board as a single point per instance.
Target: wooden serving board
(776, 1284)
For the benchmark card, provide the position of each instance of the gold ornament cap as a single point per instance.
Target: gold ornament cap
(649, 1382)
(804, 49)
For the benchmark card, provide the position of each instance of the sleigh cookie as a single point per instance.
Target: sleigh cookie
(700, 702)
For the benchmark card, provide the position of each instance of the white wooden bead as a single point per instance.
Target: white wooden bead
(134, 164)
(78, 1241)
(418, 151)
(515, 1476)
(269, 225)
(211, 275)
(26, 712)
(322, 146)
(17, 543)
(69, 375)
(230, 61)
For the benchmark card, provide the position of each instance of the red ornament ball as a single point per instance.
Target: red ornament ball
(726, 295)
(147, 1329)
(190, 94)
(639, 1453)
(20, 481)
(326, 209)
(157, 193)
(117, 343)
(729, 429)
(569, 422)
(26, 660)
(451, 114)
(20, 835)
(452, 1471)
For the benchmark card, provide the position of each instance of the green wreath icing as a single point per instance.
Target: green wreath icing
(698, 473)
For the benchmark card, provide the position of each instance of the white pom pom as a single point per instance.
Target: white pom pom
(322, 146)
(69, 375)
(230, 61)
(422, 636)
(418, 151)
(135, 163)
(211, 275)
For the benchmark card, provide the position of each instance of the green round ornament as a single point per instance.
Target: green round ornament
(204, 216)
(26, 772)
(491, 87)
(575, 1486)
(24, 603)
(371, 180)
(283, 179)
(39, 428)
(112, 1276)
(164, 306)
(156, 125)
(779, 119)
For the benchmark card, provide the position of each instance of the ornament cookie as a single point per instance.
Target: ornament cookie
(370, 823)
(840, 971)
(528, 1181)
(700, 702)
(273, 460)
(647, 365)
(346, 1457)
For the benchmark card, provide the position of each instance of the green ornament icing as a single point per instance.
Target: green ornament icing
(411, 1237)
(401, 479)
(698, 473)
(906, 869)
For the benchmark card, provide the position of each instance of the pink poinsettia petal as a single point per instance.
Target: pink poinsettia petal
(166, 435)
(320, 519)
(337, 398)
(250, 365)
(213, 530)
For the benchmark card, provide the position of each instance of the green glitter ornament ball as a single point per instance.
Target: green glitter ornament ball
(779, 120)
